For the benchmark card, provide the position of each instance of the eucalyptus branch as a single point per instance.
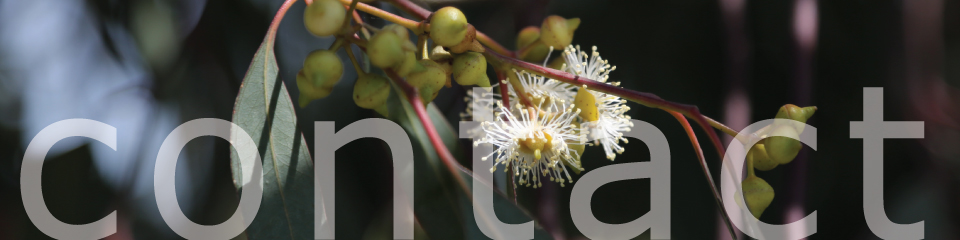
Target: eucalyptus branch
(706, 171)
(647, 99)
(412, 96)
(501, 58)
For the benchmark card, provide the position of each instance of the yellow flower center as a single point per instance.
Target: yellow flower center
(535, 145)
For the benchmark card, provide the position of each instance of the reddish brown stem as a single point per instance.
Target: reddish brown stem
(411, 8)
(275, 24)
(413, 97)
(494, 45)
(504, 89)
(703, 166)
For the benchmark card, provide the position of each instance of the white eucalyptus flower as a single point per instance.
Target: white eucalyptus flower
(612, 120)
(534, 141)
(539, 87)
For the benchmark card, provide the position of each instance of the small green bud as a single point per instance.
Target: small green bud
(470, 68)
(557, 31)
(370, 91)
(783, 149)
(448, 26)
(587, 103)
(534, 53)
(531, 49)
(401, 31)
(409, 65)
(323, 67)
(758, 194)
(761, 161)
(796, 113)
(429, 81)
(324, 17)
(309, 92)
(383, 110)
(469, 42)
(386, 49)
(527, 36)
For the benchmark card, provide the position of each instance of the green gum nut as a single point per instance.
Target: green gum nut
(386, 49)
(758, 194)
(783, 149)
(587, 103)
(448, 26)
(371, 91)
(534, 53)
(762, 162)
(800, 114)
(429, 81)
(383, 110)
(409, 64)
(401, 31)
(557, 31)
(324, 17)
(323, 68)
(531, 49)
(308, 91)
(527, 36)
(470, 68)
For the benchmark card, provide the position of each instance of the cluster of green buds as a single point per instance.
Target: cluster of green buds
(772, 152)
(456, 56)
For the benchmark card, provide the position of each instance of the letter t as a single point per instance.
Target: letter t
(873, 130)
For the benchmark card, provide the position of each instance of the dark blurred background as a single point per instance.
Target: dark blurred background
(146, 66)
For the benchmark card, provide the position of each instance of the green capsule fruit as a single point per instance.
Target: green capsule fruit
(557, 31)
(529, 47)
(409, 65)
(527, 36)
(758, 194)
(448, 26)
(401, 31)
(429, 81)
(800, 114)
(324, 17)
(308, 91)
(370, 91)
(469, 42)
(323, 68)
(587, 103)
(783, 149)
(534, 53)
(762, 162)
(386, 49)
(383, 110)
(470, 68)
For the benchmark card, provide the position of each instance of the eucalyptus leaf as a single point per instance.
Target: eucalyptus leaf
(264, 110)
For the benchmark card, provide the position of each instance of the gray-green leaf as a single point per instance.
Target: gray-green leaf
(264, 110)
